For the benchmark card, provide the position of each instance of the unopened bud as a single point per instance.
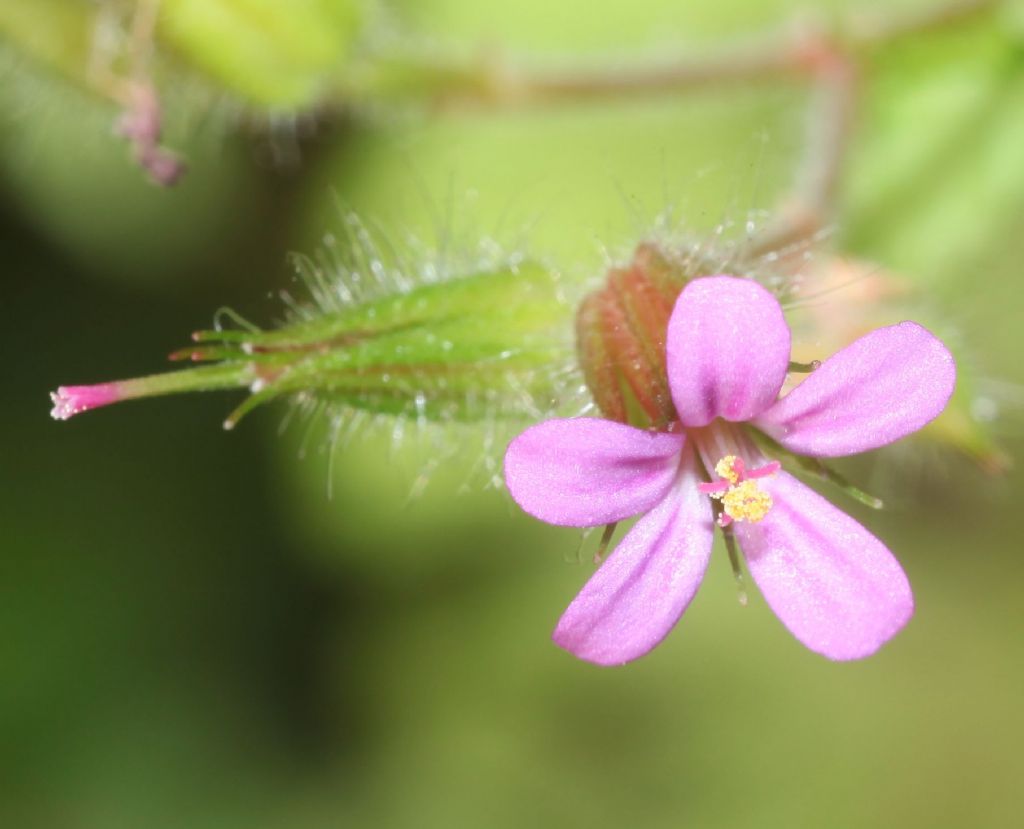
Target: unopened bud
(620, 337)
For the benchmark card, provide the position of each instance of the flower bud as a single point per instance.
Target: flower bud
(620, 337)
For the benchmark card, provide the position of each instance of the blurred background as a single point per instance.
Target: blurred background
(192, 634)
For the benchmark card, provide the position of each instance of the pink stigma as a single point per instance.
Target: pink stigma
(72, 400)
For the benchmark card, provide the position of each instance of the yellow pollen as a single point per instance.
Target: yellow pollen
(746, 501)
(726, 468)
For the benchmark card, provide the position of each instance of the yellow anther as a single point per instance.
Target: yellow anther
(726, 468)
(745, 501)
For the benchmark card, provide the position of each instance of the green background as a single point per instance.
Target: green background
(192, 634)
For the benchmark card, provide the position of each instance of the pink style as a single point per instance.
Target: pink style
(834, 585)
(71, 400)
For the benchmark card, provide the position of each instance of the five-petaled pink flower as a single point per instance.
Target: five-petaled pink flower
(831, 582)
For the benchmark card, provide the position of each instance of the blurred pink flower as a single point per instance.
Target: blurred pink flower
(835, 586)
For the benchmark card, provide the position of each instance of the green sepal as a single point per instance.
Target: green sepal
(815, 467)
(482, 346)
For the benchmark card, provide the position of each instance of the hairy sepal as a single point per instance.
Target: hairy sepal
(476, 347)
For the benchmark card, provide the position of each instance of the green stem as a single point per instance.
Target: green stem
(817, 468)
(606, 539)
(734, 561)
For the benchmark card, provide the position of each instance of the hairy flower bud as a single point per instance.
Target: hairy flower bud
(620, 336)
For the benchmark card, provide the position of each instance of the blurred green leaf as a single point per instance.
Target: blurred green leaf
(271, 54)
(54, 32)
(936, 177)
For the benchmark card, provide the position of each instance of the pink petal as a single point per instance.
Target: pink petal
(833, 584)
(585, 472)
(880, 388)
(639, 593)
(727, 350)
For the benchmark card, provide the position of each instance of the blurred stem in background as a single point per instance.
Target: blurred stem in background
(333, 62)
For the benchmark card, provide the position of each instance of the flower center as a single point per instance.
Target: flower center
(741, 496)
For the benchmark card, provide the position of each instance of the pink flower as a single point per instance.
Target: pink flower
(835, 586)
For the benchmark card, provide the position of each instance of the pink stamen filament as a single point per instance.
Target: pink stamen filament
(761, 471)
(739, 467)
